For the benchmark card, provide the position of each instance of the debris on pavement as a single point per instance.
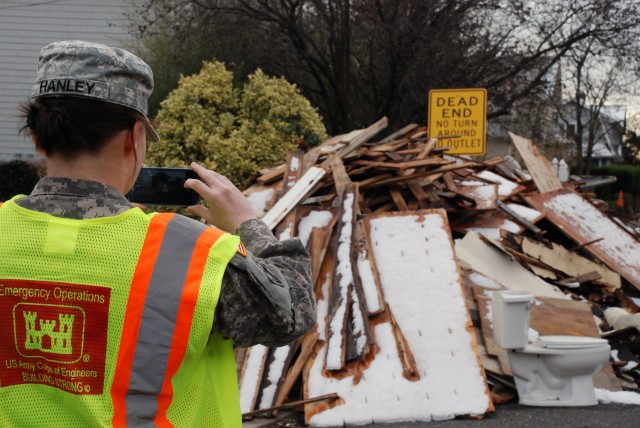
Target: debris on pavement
(407, 244)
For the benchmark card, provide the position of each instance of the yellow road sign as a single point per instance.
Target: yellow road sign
(458, 118)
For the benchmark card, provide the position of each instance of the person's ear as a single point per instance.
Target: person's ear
(36, 142)
(136, 137)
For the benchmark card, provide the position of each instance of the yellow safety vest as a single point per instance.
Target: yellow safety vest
(107, 322)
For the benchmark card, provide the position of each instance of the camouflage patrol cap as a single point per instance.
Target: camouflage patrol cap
(90, 70)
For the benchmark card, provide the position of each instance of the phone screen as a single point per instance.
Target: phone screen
(163, 186)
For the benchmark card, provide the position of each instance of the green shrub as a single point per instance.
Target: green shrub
(17, 177)
(235, 131)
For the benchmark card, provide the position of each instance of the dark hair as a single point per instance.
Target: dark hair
(69, 126)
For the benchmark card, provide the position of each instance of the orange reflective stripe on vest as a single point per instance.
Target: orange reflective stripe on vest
(158, 318)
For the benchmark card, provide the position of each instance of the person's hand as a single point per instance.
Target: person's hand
(228, 207)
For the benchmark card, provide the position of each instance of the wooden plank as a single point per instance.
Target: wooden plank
(485, 197)
(584, 223)
(418, 192)
(571, 263)
(395, 263)
(407, 165)
(306, 347)
(389, 147)
(487, 223)
(340, 177)
(506, 188)
(272, 174)
(395, 180)
(422, 155)
(275, 368)
(363, 137)
(253, 372)
(518, 218)
(318, 244)
(293, 172)
(363, 272)
(498, 266)
(399, 133)
(314, 408)
(292, 405)
(342, 284)
(361, 329)
(397, 198)
(240, 354)
(293, 196)
(539, 167)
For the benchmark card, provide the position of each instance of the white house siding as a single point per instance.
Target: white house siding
(28, 25)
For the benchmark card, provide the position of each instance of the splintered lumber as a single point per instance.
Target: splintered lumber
(272, 174)
(342, 286)
(293, 196)
(363, 273)
(286, 228)
(394, 179)
(405, 165)
(538, 166)
(253, 370)
(340, 176)
(506, 188)
(584, 223)
(291, 405)
(275, 369)
(569, 262)
(363, 137)
(517, 217)
(484, 196)
(490, 223)
(415, 263)
(424, 152)
(399, 133)
(497, 266)
(306, 347)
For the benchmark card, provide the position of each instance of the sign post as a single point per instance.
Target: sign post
(457, 117)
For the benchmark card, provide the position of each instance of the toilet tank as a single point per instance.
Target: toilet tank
(510, 310)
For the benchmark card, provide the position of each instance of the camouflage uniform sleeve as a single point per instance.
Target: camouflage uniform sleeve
(267, 297)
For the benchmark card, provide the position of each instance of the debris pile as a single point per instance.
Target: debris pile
(404, 323)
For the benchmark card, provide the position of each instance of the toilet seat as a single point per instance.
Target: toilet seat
(570, 342)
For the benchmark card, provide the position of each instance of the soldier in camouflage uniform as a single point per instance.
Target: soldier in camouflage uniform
(267, 297)
(88, 116)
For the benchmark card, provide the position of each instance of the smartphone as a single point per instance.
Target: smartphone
(163, 186)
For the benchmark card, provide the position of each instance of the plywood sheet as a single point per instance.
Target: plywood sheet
(569, 262)
(539, 167)
(585, 224)
(412, 255)
(497, 266)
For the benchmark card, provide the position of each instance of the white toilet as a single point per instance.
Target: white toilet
(556, 370)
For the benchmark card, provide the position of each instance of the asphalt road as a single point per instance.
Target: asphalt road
(510, 415)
